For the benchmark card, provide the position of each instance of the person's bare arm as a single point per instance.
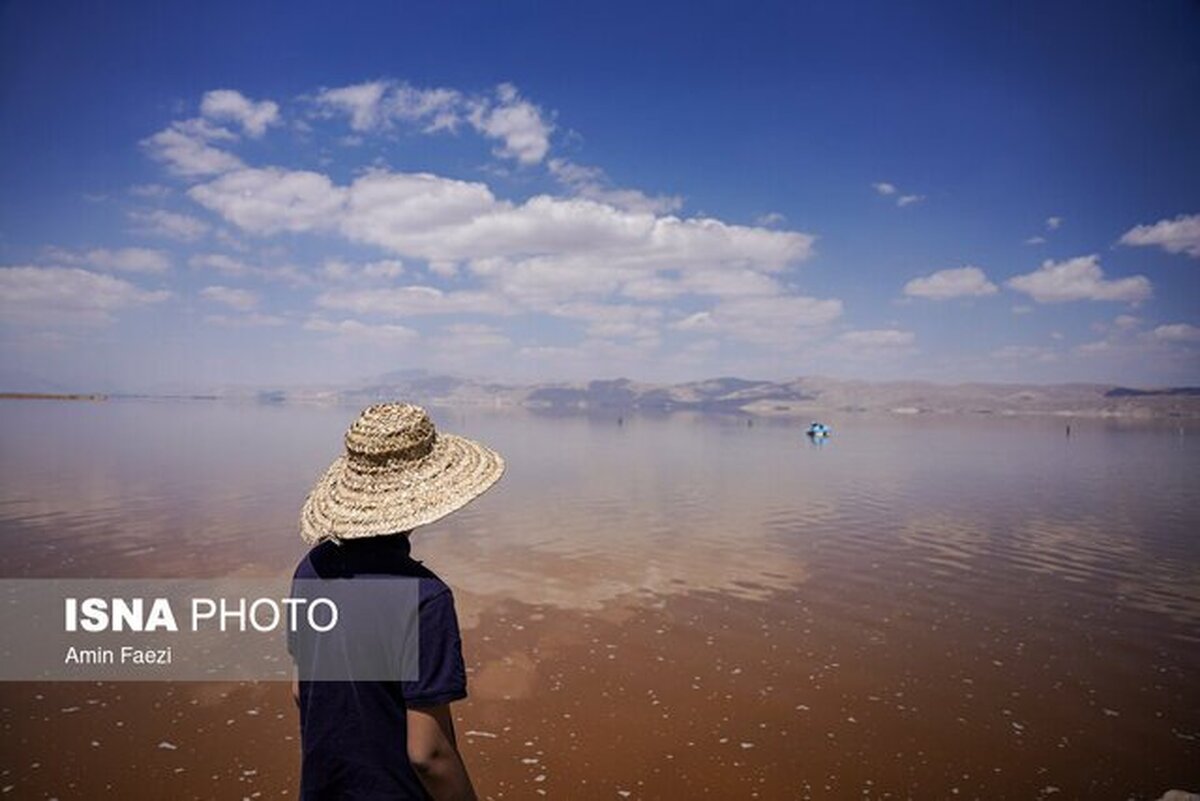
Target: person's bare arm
(434, 754)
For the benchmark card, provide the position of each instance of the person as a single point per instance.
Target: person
(379, 739)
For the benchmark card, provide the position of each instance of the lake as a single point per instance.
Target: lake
(679, 606)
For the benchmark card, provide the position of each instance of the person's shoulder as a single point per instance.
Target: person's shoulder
(304, 569)
(310, 565)
(433, 588)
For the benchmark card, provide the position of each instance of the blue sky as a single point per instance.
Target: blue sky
(233, 193)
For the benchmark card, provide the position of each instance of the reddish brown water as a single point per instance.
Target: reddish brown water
(670, 608)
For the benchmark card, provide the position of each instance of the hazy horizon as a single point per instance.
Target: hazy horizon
(34, 386)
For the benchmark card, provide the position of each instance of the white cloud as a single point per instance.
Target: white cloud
(159, 222)
(520, 125)
(723, 282)
(438, 109)
(534, 255)
(130, 260)
(607, 257)
(233, 267)
(361, 101)
(593, 184)
(374, 105)
(770, 219)
(67, 295)
(1099, 347)
(386, 268)
(1079, 279)
(1177, 332)
(227, 104)
(250, 320)
(156, 191)
(220, 263)
(240, 299)
(342, 271)
(410, 301)
(959, 282)
(546, 254)
(891, 191)
(337, 270)
(879, 338)
(358, 331)
(1180, 235)
(269, 200)
(541, 251)
(416, 214)
(613, 320)
(185, 147)
(1051, 224)
(1018, 354)
(781, 321)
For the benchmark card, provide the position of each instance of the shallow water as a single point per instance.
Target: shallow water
(667, 607)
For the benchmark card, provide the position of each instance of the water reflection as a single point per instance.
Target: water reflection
(928, 598)
(596, 509)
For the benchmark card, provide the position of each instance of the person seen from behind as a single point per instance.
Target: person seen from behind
(389, 739)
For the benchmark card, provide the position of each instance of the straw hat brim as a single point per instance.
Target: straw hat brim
(350, 501)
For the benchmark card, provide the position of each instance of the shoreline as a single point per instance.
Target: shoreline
(67, 396)
(1146, 408)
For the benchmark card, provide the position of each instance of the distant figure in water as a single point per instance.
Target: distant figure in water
(1068, 429)
(388, 739)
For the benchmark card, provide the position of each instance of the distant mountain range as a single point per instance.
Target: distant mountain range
(801, 397)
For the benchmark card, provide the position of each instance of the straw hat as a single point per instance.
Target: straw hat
(397, 473)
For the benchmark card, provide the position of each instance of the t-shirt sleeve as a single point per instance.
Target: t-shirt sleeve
(442, 675)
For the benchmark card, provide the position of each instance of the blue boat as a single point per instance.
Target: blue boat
(818, 430)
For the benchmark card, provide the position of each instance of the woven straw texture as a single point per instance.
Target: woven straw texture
(397, 473)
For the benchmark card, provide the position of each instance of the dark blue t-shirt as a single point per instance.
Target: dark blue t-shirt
(354, 734)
